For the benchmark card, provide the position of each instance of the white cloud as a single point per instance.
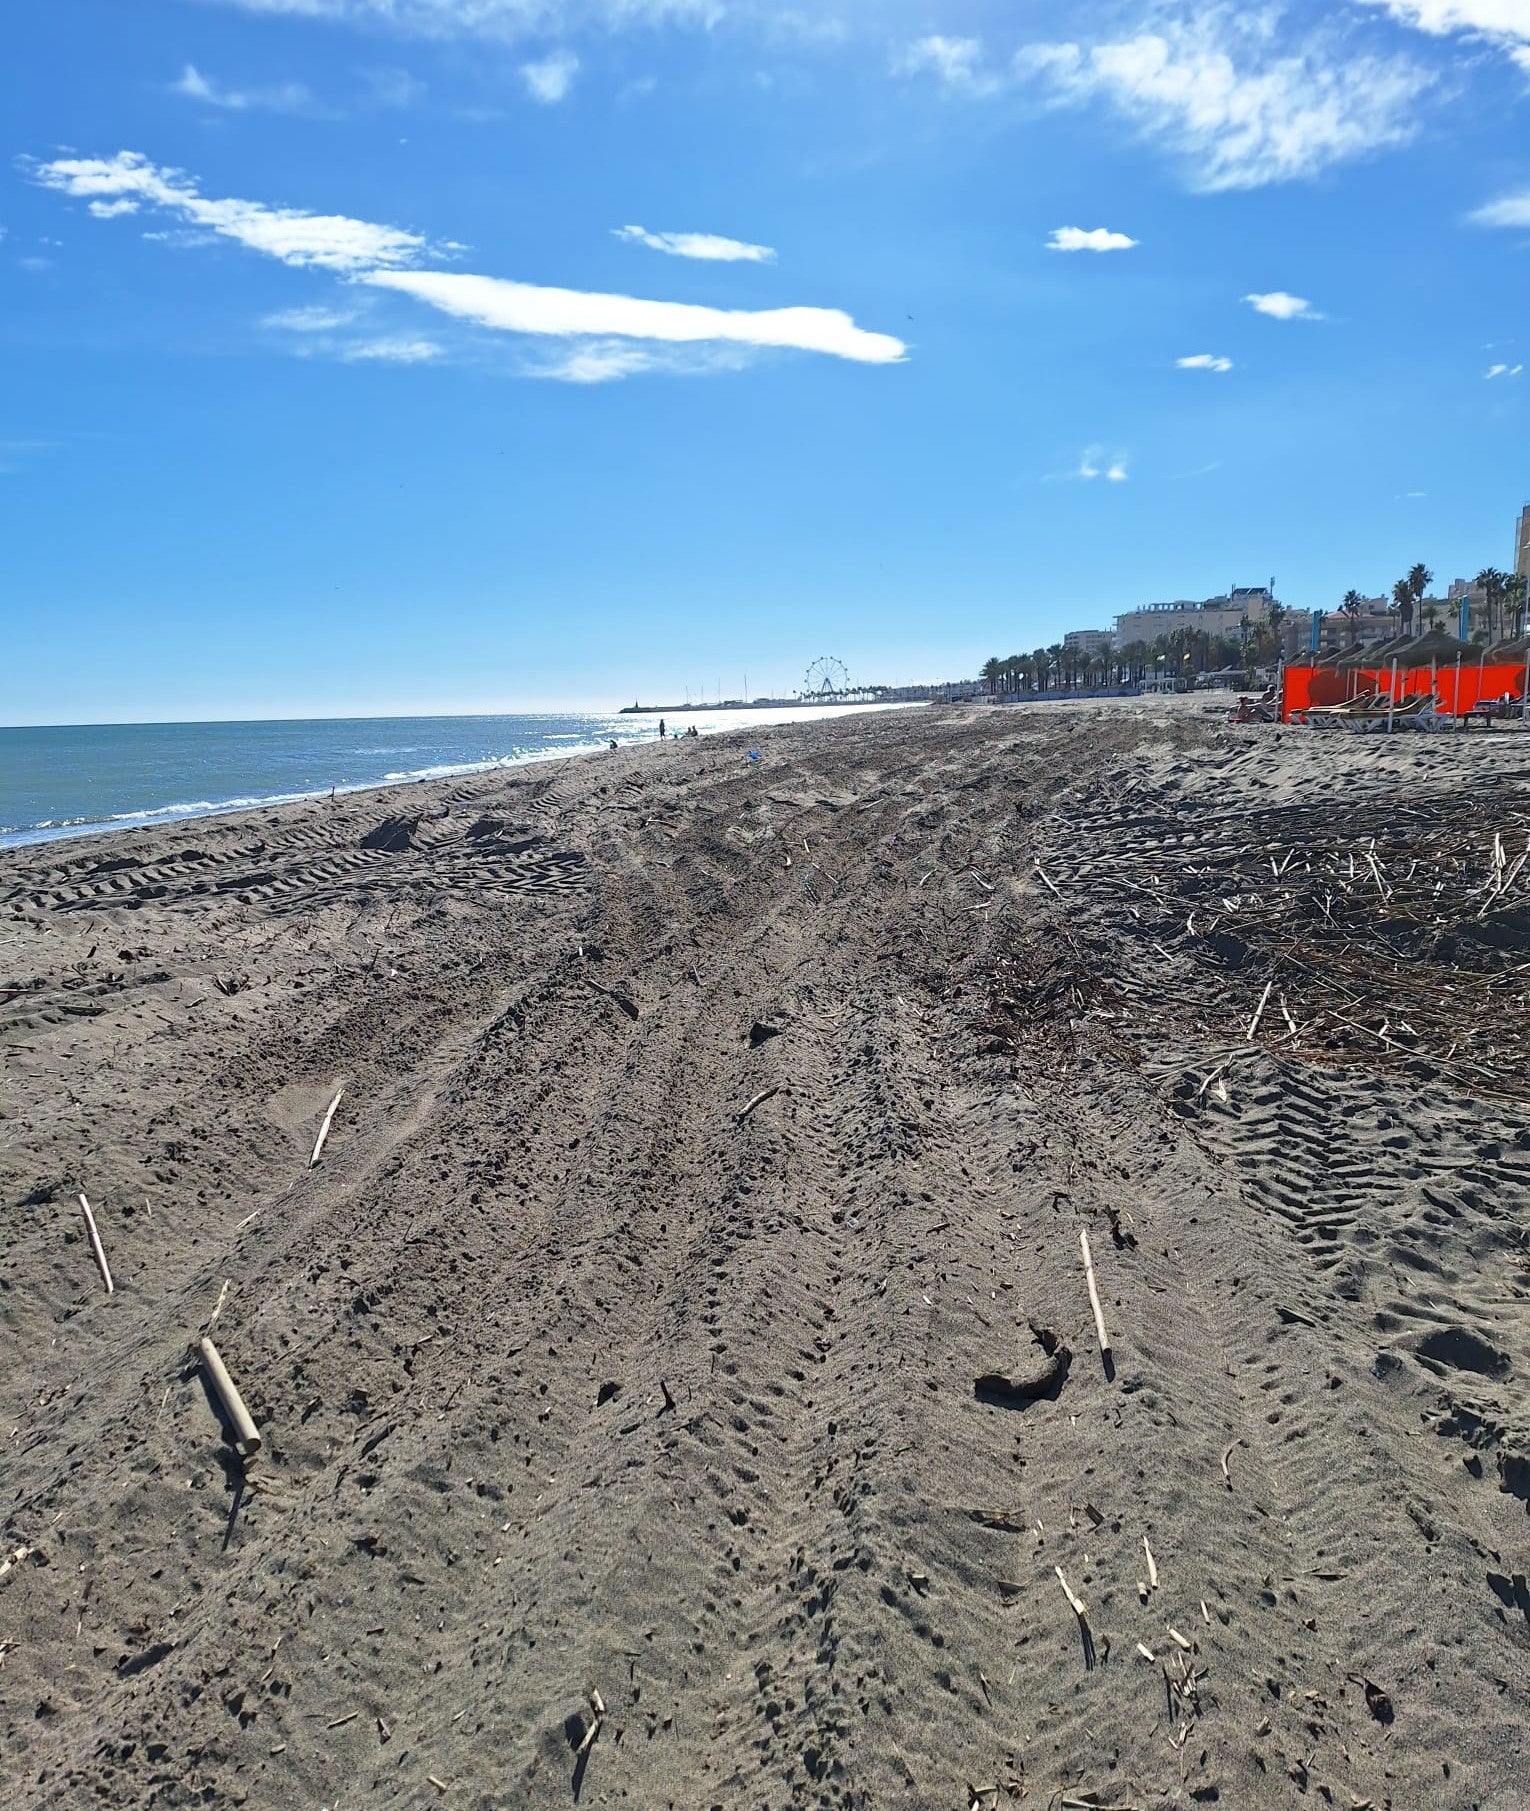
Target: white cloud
(316, 241)
(372, 254)
(1096, 239)
(1240, 108)
(284, 97)
(1504, 23)
(956, 63)
(391, 351)
(1508, 210)
(505, 19)
(1282, 307)
(310, 320)
(711, 247)
(1503, 371)
(550, 80)
(510, 307)
(1204, 361)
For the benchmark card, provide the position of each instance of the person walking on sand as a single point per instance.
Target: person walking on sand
(661, 729)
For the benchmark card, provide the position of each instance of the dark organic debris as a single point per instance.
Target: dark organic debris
(1044, 1379)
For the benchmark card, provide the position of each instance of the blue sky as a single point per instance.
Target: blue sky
(396, 355)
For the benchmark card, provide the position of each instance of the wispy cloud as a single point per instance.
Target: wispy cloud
(1204, 361)
(1282, 307)
(1503, 371)
(392, 87)
(550, 80)
(710, 247)
(334, 242)
(1096, 239)
(601, 363)
(503, 19)
(509, 307)
(1094, 462)
(378, 256)
(309, 320)
(397, 351)
(1237, 101)
(957, 64)
(280, 97)
(1507, 210)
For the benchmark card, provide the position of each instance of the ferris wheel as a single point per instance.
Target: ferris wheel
(826, 678)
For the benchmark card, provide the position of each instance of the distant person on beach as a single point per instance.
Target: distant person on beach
(661, 729)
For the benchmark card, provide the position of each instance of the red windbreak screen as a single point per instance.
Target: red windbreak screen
(1457, 688)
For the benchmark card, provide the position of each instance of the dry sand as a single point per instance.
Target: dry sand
(826, 1576)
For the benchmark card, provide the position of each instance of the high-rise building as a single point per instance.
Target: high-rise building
(1522, 544)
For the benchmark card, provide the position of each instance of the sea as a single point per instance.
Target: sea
(75, 780)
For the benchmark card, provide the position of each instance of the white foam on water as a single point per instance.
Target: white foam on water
(624, 730)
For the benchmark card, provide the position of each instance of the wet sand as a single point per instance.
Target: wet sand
(710, 1129)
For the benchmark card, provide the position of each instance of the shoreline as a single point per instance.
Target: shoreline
(42, 835)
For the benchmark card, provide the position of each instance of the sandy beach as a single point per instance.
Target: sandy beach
(678, 1379)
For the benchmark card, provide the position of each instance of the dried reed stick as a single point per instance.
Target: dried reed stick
(247, 1435)
(329, 1117)
(1094, 1294)
(97, 1247)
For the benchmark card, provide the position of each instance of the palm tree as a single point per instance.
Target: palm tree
(1514, 593)
(1492, 583)
(1419, 580)
(1354, 608)
(1041, 663)
(1402, 598)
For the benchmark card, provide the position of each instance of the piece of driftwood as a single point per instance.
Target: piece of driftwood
(1226, 1474)
(329, 1120)
(222, 1298)
(1076, 1603)
(598, 1716)
(1264, 1000)
(14, 1558)
(97, 1247)
(1081, 1611)
(1152, 1576)
(246, 1434)
(1094, 1294)
(1044, 875)
(758, 1101)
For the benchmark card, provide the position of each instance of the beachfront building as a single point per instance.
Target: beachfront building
(1522, 544)
(1089, 642)
(1346, 632)
(1239, 609)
